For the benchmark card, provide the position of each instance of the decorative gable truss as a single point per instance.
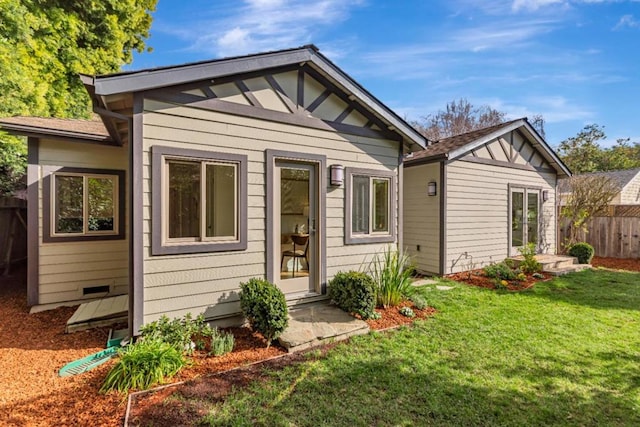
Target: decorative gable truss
(511, 150)
(299, 96)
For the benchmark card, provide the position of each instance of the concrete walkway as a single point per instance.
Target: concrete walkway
(318, 323)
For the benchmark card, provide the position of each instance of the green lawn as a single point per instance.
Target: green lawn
(564, 353)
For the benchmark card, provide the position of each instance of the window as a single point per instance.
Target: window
(369, 206)
(199, 200)
(83, 204)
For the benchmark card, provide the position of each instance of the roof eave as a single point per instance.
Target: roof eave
(39, 132)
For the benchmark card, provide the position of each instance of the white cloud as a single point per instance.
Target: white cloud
(627, 21)
(534, 4)
(262, 25)
(554, 109)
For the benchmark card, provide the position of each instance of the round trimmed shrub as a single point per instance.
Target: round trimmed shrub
(583, 251)
(265, 307)
(354, 292)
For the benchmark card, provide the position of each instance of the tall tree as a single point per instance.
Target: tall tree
(459, 116)
(46, 43)
(583, 153)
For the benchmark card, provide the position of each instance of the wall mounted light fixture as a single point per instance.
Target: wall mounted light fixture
(432, 188)
(336, 172)
(545, 195)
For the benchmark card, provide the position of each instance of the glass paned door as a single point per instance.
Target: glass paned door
(525, 218)
(295, 203)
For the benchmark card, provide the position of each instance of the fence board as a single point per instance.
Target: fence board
(616, 235)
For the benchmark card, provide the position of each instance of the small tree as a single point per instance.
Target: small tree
(588, 195)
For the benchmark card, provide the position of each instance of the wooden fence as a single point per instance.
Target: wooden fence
(13, 232)
(615, 234)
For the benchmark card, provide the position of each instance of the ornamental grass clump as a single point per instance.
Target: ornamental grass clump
(142, 365)
(391, 272)
(265, 307)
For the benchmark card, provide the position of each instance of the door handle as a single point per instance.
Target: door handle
(312, 227)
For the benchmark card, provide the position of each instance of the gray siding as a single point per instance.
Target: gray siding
(422, 217)
(477, 225)
(208, 283)
(66, 268)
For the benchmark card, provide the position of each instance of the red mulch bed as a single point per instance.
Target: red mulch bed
(33, 347)
(616, 263)
(477, 278)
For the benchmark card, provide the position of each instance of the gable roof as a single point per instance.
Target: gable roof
(155, 78)
(620, 178)
(456, 146)
(43, 127)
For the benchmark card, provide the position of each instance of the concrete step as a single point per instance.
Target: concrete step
(318, 323)
(550, 262)
(561, 271)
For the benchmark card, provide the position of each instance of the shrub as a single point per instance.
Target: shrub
(500, 284)
(419, 302)
(142, 365)
(265, 307)
(521, 277)
(500, 271)
(187, 333)
(354, 292)
(529, 265)
(407, 312)
(391, 272)
(583, 251)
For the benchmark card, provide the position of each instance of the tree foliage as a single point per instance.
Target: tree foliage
(582, 153)
(459, 116)
(587, 195)
(45, 44)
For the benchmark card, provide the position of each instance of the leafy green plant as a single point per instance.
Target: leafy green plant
(265, 307)
(500, 284)
(142, 365)
(521, 277)
(391, 272)
(407, 312)
(418, 301)
(354, 292)
(583, 251)
(187, 334)
(221, 343)
(500, 271)
(529, 264)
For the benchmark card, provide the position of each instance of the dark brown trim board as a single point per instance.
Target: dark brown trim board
(33, 245)
(158, 247)
(349, 239)
(443, 218)
(48, 237)
(321, 161)
(136, 223)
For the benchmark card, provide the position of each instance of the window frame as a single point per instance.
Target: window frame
(161, 244)
(49, 234)
(351, 238)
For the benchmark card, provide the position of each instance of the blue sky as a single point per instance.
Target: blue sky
(573, 61)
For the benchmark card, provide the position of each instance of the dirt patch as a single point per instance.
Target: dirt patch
(33, 347)
(478, 278)
(187, 403)
(616, 263)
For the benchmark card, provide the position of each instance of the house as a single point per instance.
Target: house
(475, 198)
(627, 182)
(201, 176)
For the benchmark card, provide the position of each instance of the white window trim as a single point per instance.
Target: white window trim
(389, 236)
(85, 204)
(168, 241)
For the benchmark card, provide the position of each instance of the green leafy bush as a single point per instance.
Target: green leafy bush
(419, 302)
(187, 333)
(521, 277)
(407, 312)
(142, 365)
(391, 272)
(583, 251)
(265, 307)
(500, 284)
(500, 271)
(529, 264)
(354, 292)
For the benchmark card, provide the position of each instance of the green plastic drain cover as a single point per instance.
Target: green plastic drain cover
(87, 363)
